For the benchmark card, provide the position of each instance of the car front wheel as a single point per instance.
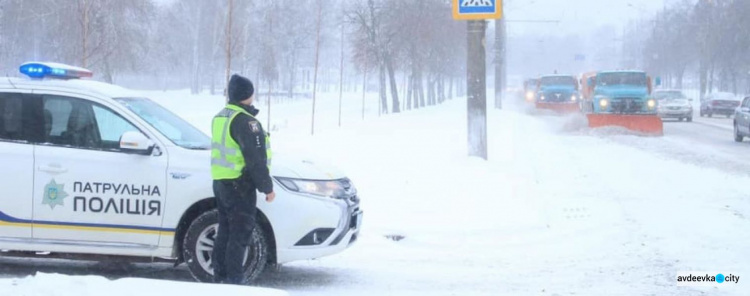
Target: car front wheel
(737, 136)
(690, 119)
(198, 246)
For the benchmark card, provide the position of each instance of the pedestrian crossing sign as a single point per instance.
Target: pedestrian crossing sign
(477, 9)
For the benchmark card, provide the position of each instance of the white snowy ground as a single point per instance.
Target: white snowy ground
(44, 284)
(557, 210)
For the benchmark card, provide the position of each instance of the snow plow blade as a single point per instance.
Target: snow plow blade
(559, 107)
(647, 124)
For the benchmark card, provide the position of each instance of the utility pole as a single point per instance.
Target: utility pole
(500, 75)
(476, 85)
(476, 13)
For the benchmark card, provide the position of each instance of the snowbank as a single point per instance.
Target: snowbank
(44, 284)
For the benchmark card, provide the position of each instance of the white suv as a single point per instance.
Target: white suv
(90, 168)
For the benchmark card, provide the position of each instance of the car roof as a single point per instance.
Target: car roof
(72, 85)
(558, 75)
(624, 71)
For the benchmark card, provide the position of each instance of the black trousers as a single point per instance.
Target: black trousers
(236, 206)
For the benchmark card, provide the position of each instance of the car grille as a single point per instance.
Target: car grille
(556, 97)
(627, 105)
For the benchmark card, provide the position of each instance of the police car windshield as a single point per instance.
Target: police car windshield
(179, 131)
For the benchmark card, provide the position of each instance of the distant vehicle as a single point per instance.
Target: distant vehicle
(558, 93)
(721, 103)
(623, 98)
(742, 121)
(529, 89)
(673, 104)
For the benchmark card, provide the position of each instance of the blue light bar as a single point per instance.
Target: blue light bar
(53, 70)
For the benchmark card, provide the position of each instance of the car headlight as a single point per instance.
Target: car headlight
(651, 104)
(573, 98)
(339, 189)
(542, 98)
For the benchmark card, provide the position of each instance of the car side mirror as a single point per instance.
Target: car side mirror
(745, 109)
(136, 143)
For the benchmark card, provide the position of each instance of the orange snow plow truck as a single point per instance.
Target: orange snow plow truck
(621, 98)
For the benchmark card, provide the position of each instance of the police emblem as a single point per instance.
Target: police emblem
(255, 126)
(54, 194)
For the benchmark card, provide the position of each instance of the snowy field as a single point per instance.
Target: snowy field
(557, 210)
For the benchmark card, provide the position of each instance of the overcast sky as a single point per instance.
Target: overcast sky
(576, 16)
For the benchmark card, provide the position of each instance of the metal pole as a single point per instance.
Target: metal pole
(341, 77)
(476, 85)
(499, 62)
(364, 86)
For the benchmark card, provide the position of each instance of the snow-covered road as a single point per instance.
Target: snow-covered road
(557, 210)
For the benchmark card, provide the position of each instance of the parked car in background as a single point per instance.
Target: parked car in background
(720, 103)
(742, 121)
(673, 103)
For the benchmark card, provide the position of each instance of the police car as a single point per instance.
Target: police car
(91, 169)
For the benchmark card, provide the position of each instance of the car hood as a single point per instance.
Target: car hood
(622, 91)
(674, 103)
(198, 162)
(299, 168)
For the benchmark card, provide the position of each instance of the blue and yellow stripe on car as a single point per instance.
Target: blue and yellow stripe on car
(7, 220)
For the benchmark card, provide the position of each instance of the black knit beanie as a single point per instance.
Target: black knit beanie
(239, 88)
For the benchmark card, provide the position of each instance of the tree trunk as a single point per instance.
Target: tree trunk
(228, 40)
(383, 96)
(430, 91)
(317, 59)
(420, 88)
(410, 91)
(450, 88)
(394, 88)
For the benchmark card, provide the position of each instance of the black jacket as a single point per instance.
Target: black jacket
(248, 133)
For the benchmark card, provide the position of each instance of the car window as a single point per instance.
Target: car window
(11, 117)
(746, 103)
(79, 123)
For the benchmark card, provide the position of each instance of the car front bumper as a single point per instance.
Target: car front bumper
(675, 113)
(323, 234)
(721, 111)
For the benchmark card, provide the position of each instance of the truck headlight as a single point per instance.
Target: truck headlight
(651, 104)
(530, 95)
(603, 103)
(339, 189)
(542, 98)
(573, 98)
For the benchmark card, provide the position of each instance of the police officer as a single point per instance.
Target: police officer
(240, 160)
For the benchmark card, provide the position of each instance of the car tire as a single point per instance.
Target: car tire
(737, 136)
(729, 116)
(690, 119)
(680, 119)
(709, 115)
(198, 259)
(701, 113)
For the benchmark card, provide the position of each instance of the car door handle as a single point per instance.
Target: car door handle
(53, 169)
